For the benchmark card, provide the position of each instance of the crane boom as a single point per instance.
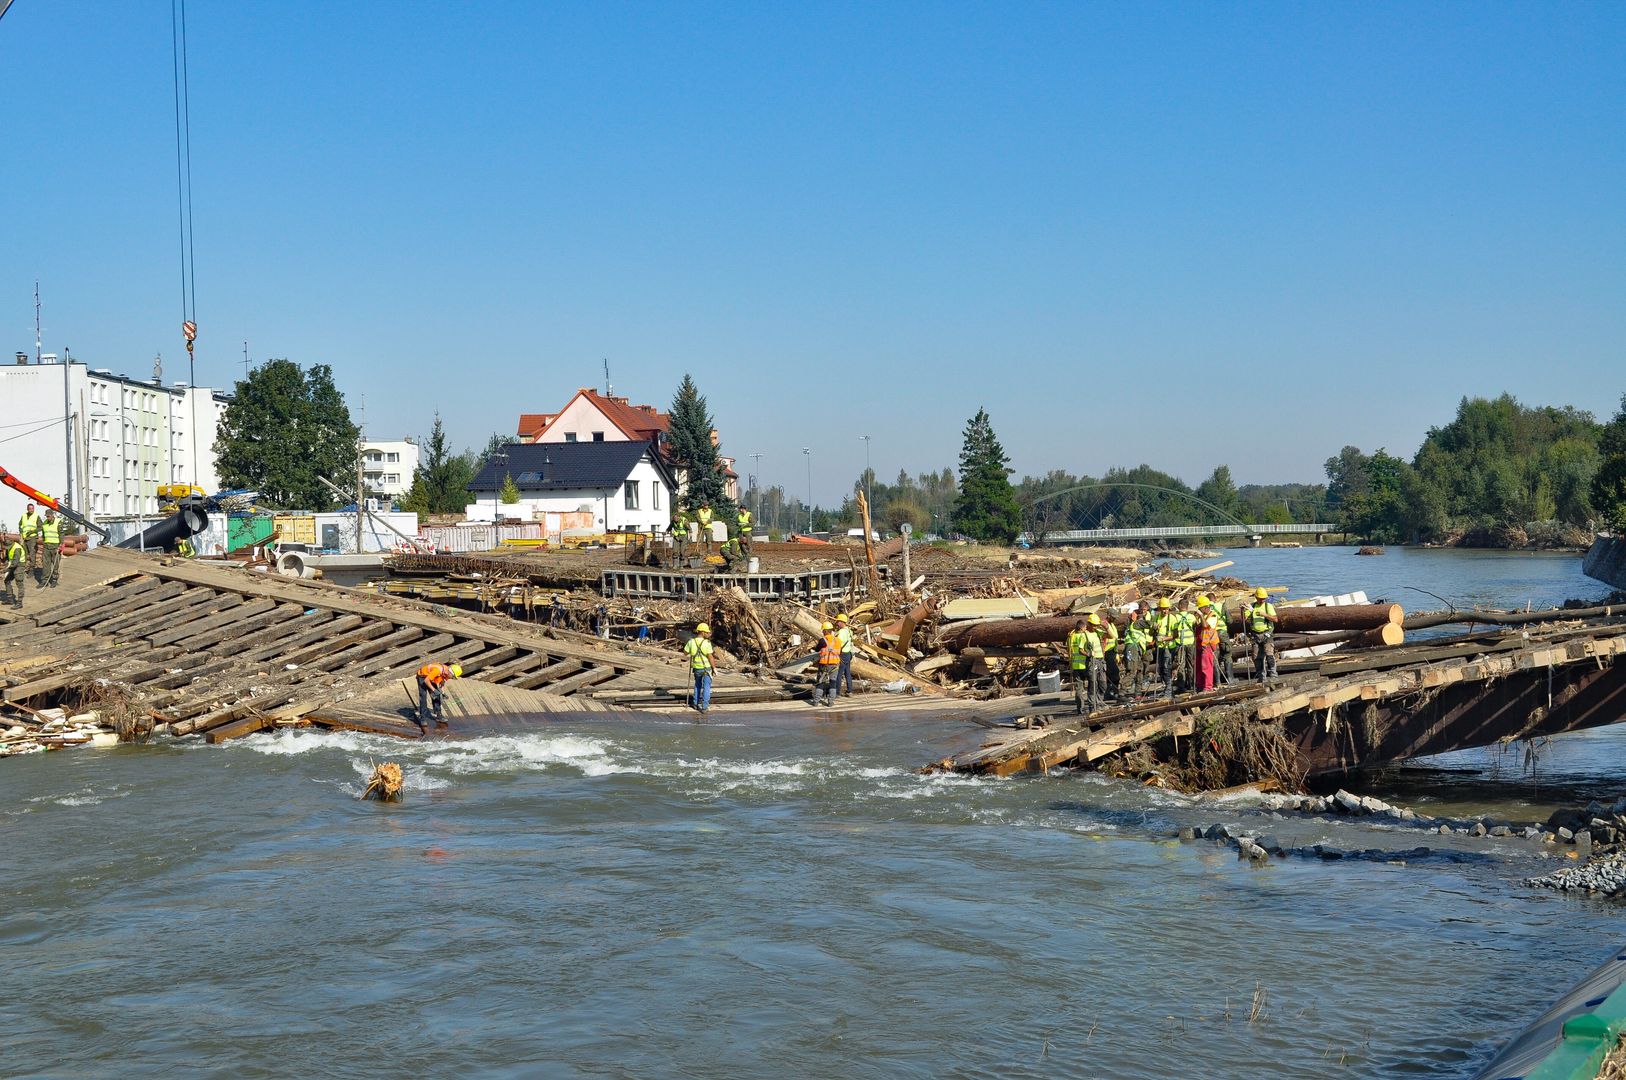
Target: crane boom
(43, 499)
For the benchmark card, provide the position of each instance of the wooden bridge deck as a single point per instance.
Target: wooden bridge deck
(211, 648)
(1382, 706)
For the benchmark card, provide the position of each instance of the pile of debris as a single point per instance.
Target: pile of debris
(54, 729)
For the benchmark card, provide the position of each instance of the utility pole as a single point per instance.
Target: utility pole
(869, 496)
(756, 480)
(808, 451)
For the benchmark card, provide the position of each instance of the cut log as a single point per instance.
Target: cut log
(1333, 617)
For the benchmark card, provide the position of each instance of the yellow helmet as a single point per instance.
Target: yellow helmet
(828, 626)
(1203, 601)
(1095, 620)
(457, 671)
(703, 628)
(842, 617)
(1261, 592)
(1163, 603)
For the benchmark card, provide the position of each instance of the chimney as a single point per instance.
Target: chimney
(22, 359)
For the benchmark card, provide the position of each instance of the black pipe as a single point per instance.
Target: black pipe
(190, 520)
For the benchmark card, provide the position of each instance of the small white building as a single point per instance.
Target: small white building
(104, 442)
(388, 465)
(625, 485)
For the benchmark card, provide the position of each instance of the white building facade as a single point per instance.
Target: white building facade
(103, 443)
(388, 465)
(625, 486)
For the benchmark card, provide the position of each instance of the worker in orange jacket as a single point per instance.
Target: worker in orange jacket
(824, 685)
(432, 680)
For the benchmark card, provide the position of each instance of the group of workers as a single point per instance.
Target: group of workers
(37, 549)
(1187, 647)
(736, 549)
(835, 662)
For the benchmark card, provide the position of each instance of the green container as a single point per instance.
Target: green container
(246, 530)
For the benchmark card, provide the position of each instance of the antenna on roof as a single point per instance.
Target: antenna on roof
(609, 391)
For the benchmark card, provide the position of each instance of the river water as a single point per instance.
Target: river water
(779, 896)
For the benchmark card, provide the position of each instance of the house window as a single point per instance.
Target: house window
(570, 436)
(632, 494)
(654, 495)
(598, 436)
(392, 458)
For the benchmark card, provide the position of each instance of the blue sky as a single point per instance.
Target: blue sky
(1172, 233)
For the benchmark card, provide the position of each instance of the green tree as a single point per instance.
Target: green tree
(987, 508)
(902, 511)
(284, 428)
(440, 483)
(1609, 482)
(1220, 490)
(510, 490)
(691, 445)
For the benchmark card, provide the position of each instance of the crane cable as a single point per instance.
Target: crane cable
(183, 174)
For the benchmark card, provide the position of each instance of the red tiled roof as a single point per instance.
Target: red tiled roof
(532, 425)
(636, 421)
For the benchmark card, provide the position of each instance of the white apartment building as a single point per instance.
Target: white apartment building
(388, 465)
(101, 442)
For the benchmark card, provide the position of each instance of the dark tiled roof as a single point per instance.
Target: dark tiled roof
(564, 466)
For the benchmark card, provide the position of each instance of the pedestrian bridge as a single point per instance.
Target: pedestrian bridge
(1180, 532)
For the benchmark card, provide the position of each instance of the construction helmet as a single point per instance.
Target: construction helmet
(457, 671)
(1261, 592)
(828, 626)
(1164, 603)
(1203, 601)
(703, 628)
(842, 617)
(1095, 620)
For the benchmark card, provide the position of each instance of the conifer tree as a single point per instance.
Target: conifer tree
(987, 508)
(689, 446)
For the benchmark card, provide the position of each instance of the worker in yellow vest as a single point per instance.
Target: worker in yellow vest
(742, 525)
(703, 516)
(679, 533)
(844, 671)
(701, 670)
(1224, 660)
(1109, 647)
(1137, 646)
(1260, 620)
(1165, 633)
(16, 562)
(28, 528)
(1078, 662)
(1185, 653)
(50, 551)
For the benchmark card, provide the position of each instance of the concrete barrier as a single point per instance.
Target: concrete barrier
(1605, 561)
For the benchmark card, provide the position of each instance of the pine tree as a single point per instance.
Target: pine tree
(689, 446)
(440, 483)
(284, 428)
(986, 508)
(510, 490)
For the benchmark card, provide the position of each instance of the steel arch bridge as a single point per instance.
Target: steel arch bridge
(1041, 527)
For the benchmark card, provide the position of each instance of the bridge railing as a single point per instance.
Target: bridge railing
(1174, 532)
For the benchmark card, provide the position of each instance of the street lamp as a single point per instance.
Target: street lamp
(756, 481)
(808, 451)
(500, 460)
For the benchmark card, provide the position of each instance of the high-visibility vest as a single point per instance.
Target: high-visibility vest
(699, 650)
(1168, 628)
(1092, 642)
(1185, 627)
(435, 674)
(1109, 635)
(1208, 633)
(1077, 649)
(844, 637)
(703, 515)
(15, 555)
(51, 530)
(1139, 634)
(830, 653)
(1261, 617)
(680, 524)
(29, 525)
(744, 520)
